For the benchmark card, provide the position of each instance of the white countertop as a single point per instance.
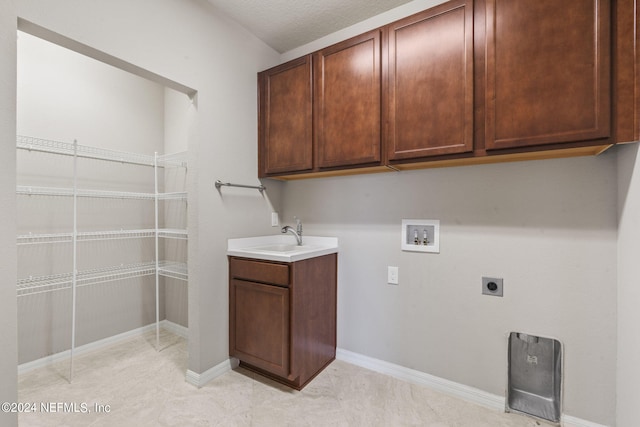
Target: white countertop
(282, 247)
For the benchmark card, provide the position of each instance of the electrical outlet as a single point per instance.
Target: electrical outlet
(392, 275)
(275, 221)
(492, 286)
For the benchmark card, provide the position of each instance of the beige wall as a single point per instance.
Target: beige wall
(628, 371)
(8, 306)
(547, 227)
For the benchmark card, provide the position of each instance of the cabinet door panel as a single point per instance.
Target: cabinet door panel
(627, 69)
(259, 320)
(548, 70)
(347, 102)
(285, 118)
(431, 82)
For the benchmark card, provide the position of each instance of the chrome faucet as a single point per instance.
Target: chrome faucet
(297, 232)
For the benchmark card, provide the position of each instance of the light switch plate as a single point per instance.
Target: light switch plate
(275, 221)
(392, 275)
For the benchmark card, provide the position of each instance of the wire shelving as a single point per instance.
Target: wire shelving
(73, 280)
(28, 190)
(83, 151)
(33, 285)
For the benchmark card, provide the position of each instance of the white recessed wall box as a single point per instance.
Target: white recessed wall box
(421, 235)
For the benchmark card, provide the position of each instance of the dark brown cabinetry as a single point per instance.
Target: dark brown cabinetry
(473, 81)
(547, 73)
(430, 83)
(347, 102)
(285, 114)
(282, 316)
(626, 70)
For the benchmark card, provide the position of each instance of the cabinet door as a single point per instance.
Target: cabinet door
(347, 102)
(430, 82)
(285, 118)
(259, 325)
(627, 71)
(547, 72)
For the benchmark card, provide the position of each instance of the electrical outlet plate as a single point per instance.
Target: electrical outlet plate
(492, 286)
(412, 226)
(274, 219)
(392, 275)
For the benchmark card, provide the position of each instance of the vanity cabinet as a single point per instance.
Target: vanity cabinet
(547, 72)
(430, 83)
(282, 316)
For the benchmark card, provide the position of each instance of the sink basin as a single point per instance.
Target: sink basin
(282, 247)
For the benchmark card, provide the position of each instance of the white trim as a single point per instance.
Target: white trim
(569, 421)
(410, 375)
(220, 369)
(96, 345)
(451, 388)
(174, 328)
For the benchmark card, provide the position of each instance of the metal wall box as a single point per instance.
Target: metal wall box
(535, 376)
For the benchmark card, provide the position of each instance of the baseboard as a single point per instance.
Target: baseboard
(569, 421)
(470, 394)
(196, 379)
(220, 369)
(96, 345)
(174, 328)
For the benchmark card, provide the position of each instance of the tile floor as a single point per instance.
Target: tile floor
(145, 388)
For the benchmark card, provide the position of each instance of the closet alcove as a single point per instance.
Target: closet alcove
(101, 204)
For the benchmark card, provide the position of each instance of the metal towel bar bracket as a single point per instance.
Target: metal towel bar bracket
(260, 187)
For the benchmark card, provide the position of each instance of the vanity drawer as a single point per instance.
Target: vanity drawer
(259, 271)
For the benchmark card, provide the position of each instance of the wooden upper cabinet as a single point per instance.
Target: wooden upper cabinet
(547, 72)
(285, 118)
(347, 102)
(465, 81)
(627, 69)
(430, 82)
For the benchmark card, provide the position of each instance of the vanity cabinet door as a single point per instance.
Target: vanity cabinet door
(430, 82)
(259, 325)
(347, 102)
(285, 118)
(547, 72)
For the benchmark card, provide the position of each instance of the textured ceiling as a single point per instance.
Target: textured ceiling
(287, 24)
